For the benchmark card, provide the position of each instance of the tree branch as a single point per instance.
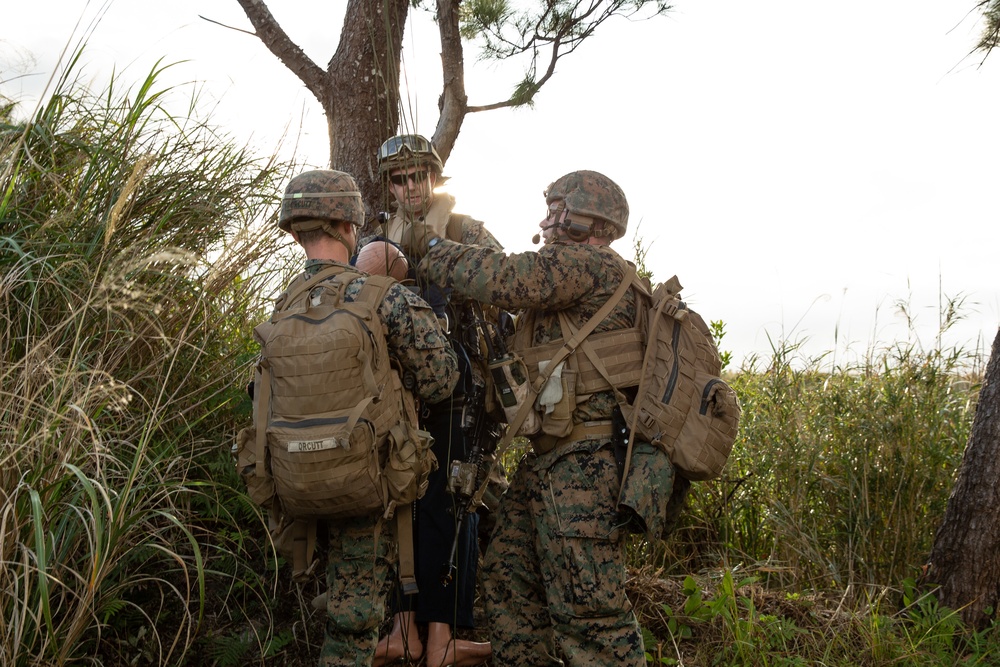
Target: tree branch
(289, 53)
(454, 100)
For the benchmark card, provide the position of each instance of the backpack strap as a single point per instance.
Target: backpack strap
(407, 561)
(535, 387)
(295, 289)
(373, 292)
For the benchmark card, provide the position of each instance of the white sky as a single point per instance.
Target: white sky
(800, 165)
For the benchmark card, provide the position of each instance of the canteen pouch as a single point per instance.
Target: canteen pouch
(557, 400)
(410, 462)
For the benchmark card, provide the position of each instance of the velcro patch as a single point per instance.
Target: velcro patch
(317, 445)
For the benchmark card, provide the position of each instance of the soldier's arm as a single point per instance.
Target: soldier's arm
(554, 277)
(416, 340)
(474, 232)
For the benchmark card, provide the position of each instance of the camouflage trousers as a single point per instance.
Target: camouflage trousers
(358, 576)
(554, 574)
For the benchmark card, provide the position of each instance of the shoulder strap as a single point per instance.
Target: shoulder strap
(569, 347)
(294, 290)
(374, 290)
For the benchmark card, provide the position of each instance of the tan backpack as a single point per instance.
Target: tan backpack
(335, 433)
(682, 403)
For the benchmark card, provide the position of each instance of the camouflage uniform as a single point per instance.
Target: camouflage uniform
(360, 554)
(554, 576)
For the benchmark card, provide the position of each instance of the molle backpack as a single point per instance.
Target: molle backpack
(682, 403)
(335, 433)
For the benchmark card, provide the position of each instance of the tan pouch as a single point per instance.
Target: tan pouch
(559, 421)
(410, 462)
(259, 488)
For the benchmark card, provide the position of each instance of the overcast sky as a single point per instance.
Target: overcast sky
(801, 166)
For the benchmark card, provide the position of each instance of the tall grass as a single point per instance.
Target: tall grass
(806, 551)
(840, 476)
(137, 251)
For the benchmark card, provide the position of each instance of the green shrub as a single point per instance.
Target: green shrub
(137, 251)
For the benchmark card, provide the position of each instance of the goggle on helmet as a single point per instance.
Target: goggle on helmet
(408, 150)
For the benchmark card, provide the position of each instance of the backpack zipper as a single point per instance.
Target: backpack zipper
(675, 369)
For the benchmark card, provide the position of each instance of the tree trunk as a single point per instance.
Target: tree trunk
(359, 90)
(362, 101)
(965, 558)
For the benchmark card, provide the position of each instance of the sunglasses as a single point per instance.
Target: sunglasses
(412, 142)
(417, 177)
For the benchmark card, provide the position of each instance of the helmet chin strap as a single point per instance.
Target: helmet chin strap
(351, 247)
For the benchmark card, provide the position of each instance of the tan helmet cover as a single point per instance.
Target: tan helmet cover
(319, 196)
(589, 194)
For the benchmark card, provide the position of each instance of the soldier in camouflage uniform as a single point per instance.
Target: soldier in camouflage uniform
(554, 574)
(412, 169)
(323, 211)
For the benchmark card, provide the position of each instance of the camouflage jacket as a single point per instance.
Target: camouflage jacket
(571, 277)
(413, 336)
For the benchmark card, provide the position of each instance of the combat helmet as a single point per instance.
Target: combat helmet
(590, 195)
(408, 150)
(314, 199)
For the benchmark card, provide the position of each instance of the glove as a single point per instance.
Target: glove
(416, 237)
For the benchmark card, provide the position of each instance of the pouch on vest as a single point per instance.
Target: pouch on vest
(510, 384)
(557, 400)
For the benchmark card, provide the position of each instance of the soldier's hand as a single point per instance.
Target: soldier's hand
(416, 237)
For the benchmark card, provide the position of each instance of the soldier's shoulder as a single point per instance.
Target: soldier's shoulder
(402, 302)
(471, 231)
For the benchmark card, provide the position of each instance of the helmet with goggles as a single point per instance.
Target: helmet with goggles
(313, 199)
(408, 150)
(590, 196)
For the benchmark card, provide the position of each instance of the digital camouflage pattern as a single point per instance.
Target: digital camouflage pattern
(554, 575)
(322, 194)
(555, 570)
(358, 576)
(591, 194)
